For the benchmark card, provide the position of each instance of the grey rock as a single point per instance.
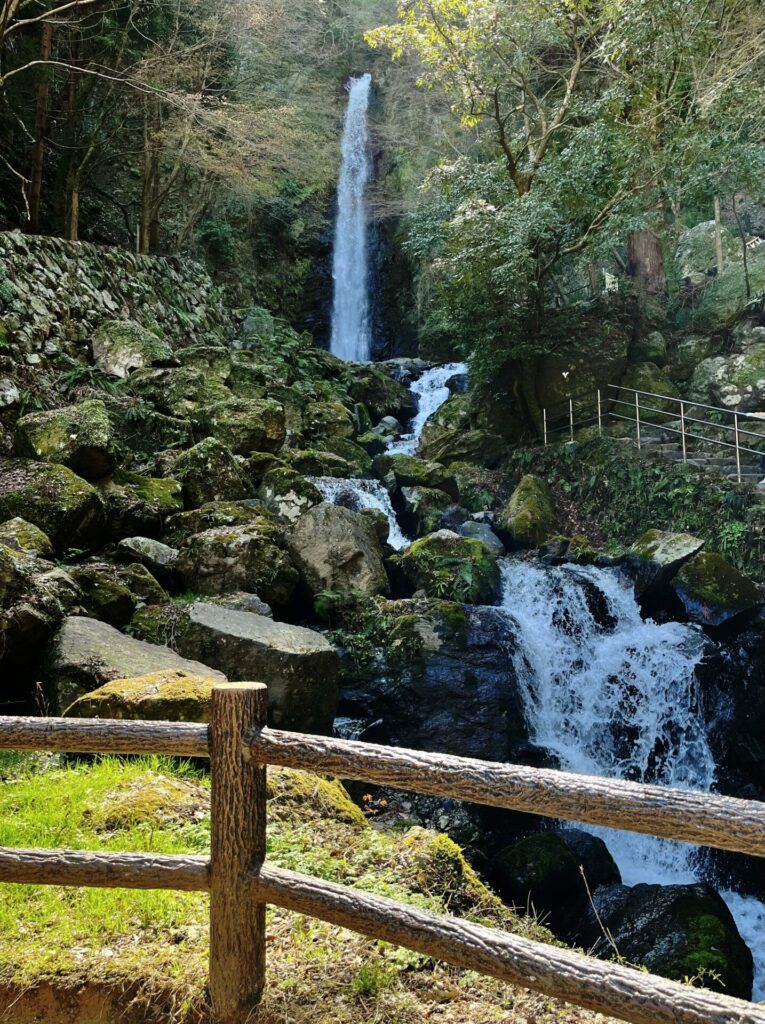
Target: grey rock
(481, 531)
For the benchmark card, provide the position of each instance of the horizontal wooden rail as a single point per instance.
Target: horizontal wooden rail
(692, 817)
(608, 988)
(104, 736)
(105, 870)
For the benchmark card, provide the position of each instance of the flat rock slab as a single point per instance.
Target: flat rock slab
(171, 695)
(85, 654)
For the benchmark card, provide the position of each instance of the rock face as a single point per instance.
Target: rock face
(713, 591)
(445, 565)
(298, 665)
(657, 556)
(337, 549)
(86, 653)
(678, 931)
(249, 558)
(77, 436)
(209, 472)
(528, 519)
(53, 498)
(121, 346)
(172, 695)
(247, 425)
(735, 381)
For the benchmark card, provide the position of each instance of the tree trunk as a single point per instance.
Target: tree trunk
(41, 121)
(744, 250)
(645, 262)
(718, 238)
(73, 208)
(149, 187)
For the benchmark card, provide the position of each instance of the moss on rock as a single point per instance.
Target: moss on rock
(212, 515)
(528, 519)
(446, 565)
(713, 591)
(78, 436)
(19, 535)
(288, 493)
(172, 695)
(246, 425)
(210, 472)
(121, 346)
(136, 504)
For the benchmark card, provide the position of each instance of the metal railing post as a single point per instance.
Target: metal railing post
(682, 431)
(738, 452)
(600, 422)
(544, 425)
(237, 850)
(571, 418)
(637, 417)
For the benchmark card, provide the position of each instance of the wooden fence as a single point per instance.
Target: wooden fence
(240, 885)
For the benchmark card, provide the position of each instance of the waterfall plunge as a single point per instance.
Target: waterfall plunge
(351, 335)
(616, 695)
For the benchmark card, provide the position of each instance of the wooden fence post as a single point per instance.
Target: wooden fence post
(237, 849)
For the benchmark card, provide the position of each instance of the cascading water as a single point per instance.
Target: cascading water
(431, 390)
(351, 332)
(613, 694)
(360, 494)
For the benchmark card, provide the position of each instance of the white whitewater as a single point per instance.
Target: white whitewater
(616, 695)
(351, 331)
(431, 390)
(359, 494)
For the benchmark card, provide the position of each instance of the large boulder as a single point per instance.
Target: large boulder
(121, 346)
(448, 566)
(288, 494)
(21, 536)
(528, 519)
(112, 593)
(688, 351)
(735, 381)
(454, 444)
(677, 931)
(246, 425)
(337, 549)
(423, 509)
(656, 556)
(411, 471)
(650, 378)
(160, 559)
(713, 592)
(251, 558)
(77, 436)
(170, 695)
(210, 472)
(649, 349)
(298, 665)
(53, 498)
(377, 390)
(86, 653)
(326, 420)
(211, 516)
(181, 392)
(136, 504)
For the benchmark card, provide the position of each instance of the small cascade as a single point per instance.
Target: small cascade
(359, 494)
(616, 695)
(351, 332)
(431, 390)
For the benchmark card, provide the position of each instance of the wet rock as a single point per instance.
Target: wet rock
(210, 472)
(299, 665)
(382, 395)
(337, 549)
(677, 931)
(54, 499)
(77, 436)
(86, 653)
(528, 519)
(121, 346)
(170, 695)
(445, 565)
(714, 592)
(657, 556)
(229, 558)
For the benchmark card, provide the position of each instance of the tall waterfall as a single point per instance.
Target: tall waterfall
(616, 695)
(351, 332)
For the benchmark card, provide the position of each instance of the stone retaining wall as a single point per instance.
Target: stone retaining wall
(53, 294)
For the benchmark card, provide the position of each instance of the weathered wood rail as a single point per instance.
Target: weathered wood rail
(240, 884)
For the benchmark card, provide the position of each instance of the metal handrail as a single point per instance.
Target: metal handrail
(693, 419)
(688, 401)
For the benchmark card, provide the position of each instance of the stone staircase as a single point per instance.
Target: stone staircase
(719, 460)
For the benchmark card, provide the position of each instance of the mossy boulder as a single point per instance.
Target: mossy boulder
(326, 420)
(453, 444)
(677, 931)
(246, 425)
(77, 436)
(735, 381)
(19, 535)
(479, 489)
(423, 509)
(136, 504)
(649, 377)
(53, 498)
(713, 592)
(212, 515)
(411, 471)
(445, 565)
(250, 557)
(292, 794)
(379, 392)
(353, 454)
(180, 392)
(160, 559)
(313, 462)
(528, 519)
(688, 351)
(288, 494)
(337, 549)
(121, 346)
(153, 800)
(649, 349)
(170, 695)
(210, 472)
(112, 593)
(657, 556)
(212, 359)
